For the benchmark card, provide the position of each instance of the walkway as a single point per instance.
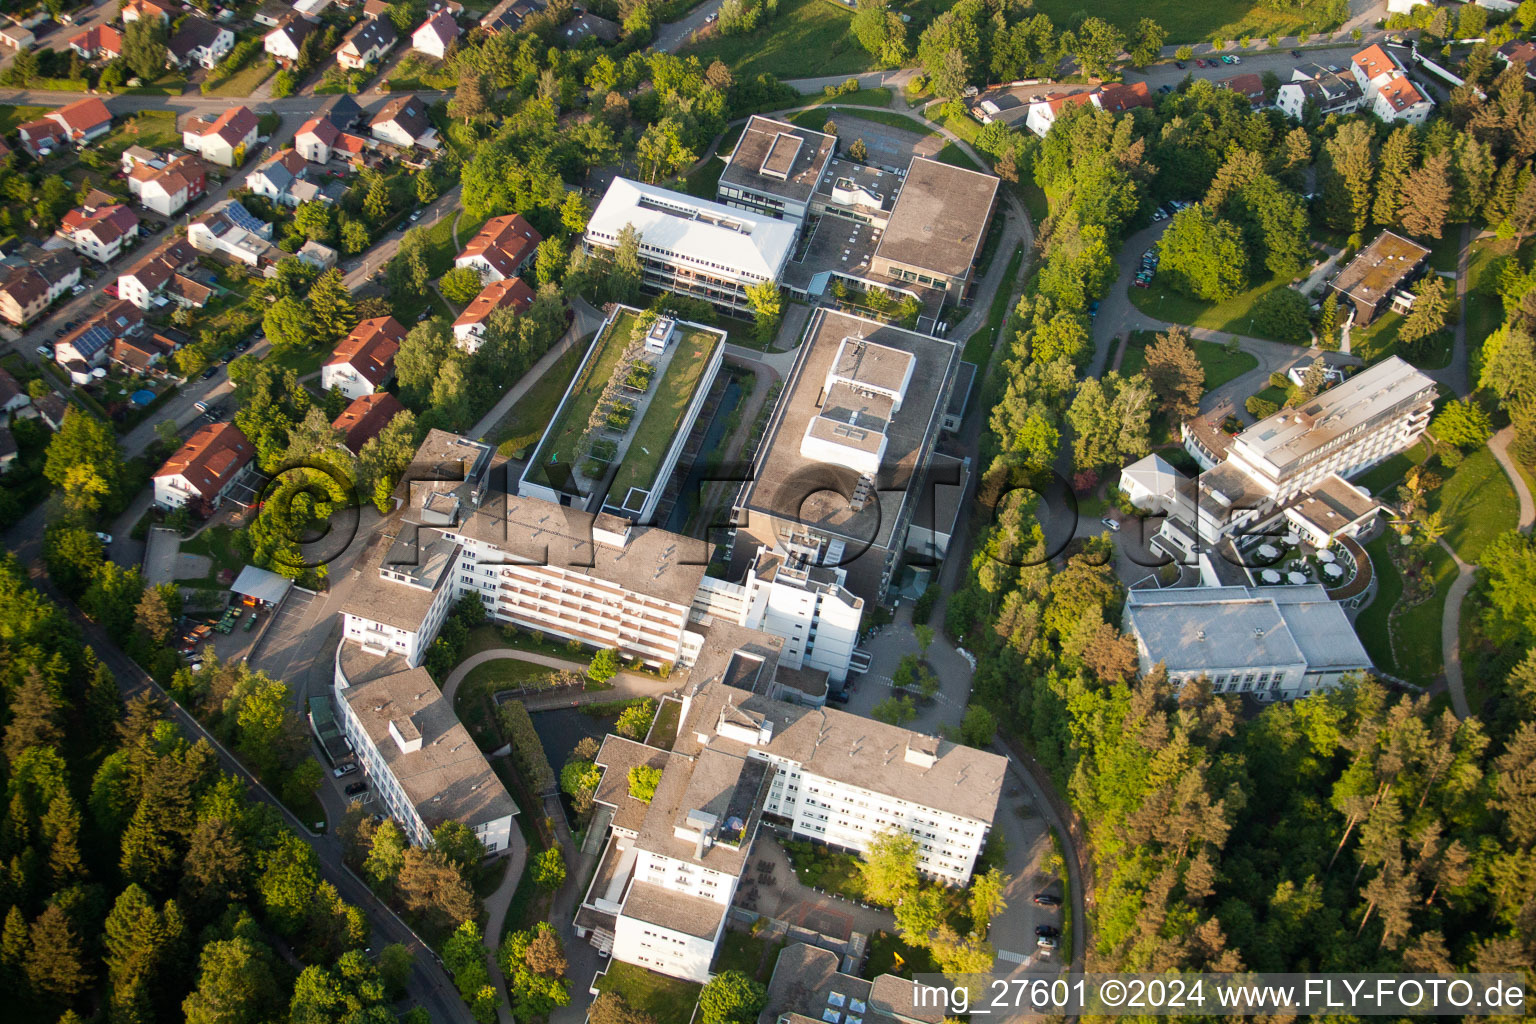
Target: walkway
(583, 325)
(626, 685)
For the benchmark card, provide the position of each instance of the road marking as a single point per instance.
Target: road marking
(1013, 958)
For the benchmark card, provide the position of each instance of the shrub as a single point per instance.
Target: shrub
(527, 752)
(1259, 408)
(643, 780)
(1283, 313)
(922, 608)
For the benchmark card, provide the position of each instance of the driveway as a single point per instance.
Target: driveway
(282, 647)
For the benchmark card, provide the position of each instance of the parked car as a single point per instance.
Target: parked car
(1295, 53)
(105, 538)
(839, 697)
(46, 351)
(1235, 59)
(1165, 88)
(346, 769)
(208, 372)
(1093, 308)
(1045, 899)
(242, 344)
(1110, 524)
(110, 290)
(357, 787)
(1180, 65)
(1142, 282)
(1048, 930)
(1048, 942)
(416, 216)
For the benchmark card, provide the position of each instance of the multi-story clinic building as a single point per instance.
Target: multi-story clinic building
(1284, 460)
(597, 579)
(936, 228)
(671, 867)
(693, 246)
(776, 169)
(424, 766)
(848, 453)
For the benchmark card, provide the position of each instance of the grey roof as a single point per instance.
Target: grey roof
(784, 479)
(854, 750)
(448, 779)
(1333, 504)
(1214, 629)
(691, 915)
(261, 584)
(940, 217)
(371, 33)
(779, 159)
(423, 555)
(195, 31)
(617, 756)
(806, 984)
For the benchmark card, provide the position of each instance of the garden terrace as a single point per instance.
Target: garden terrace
(647, 398)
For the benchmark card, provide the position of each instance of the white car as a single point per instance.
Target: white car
(105, 538)
(346, 769)
(1110, 524)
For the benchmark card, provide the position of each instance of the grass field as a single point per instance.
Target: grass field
(256, 69)
(571, 423)
(152, 129)
(1417, 656)
(805, 39)
(1485, 309)
(955, 156)
(1235, 315)
(858, 98)
(1220, 365)
(1191, 23)
(1384, 477)
(524, 423)
(848, 120)
(1478, 503)
(747, 954)
(10, 117)
(656, 995)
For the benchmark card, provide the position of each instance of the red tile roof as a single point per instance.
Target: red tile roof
(107, 223)
(320, 127)
(365, 417)
(513, 292)
(211, 458)
(1373, 60)
(232, 126)
(82, 115)
(1116, 98)
(505, 242)
(370, 349)
(1400, 93)
(99, 37)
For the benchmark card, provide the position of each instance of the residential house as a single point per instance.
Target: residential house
(343, 112)
(285, 42)
(9, 451)
(142, 354)
(366, 42)
(589, 26)
(83, 121)
(165, 190)
(1386, 88)
(436, 34)
(1328, 90)
(132, 10)
(200, 42)
(272, 12)
(512, 293)
(1248, 85)
(51, 409)
(230, 230)
(33, 280)
(13, 398)
(136, 156)
(100, 232)
(205, 469)
(89, 345)
(1378, 277)
(403, 122)
(502, 248)
(225, 140)
(100, 42)
(316, 138)
(364, 417)
(509, 16)
(17, 37)
(321, 257)
(364, 361)
(145, 283)
(283, 178)
(1044, 111)
(311, 9)
(1521, 53)
(41, 137)
(1119, 97)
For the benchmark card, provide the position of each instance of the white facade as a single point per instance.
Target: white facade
(342, 375)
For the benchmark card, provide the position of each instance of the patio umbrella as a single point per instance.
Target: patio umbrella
(1296, 578)
(1326, 556)
(1333, 571)
(1269, 576)
(1291, 539)
(1267, 551)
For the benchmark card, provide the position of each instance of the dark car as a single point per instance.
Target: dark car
(839, 697)
(242, 344)
(356, 788)
(1295, 53)
(1049, 931)
(1045, 899)
(208, 373)
(1180, 65)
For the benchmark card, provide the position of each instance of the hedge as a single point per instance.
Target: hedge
(527, 752)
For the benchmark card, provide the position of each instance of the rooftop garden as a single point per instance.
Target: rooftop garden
(598, 414)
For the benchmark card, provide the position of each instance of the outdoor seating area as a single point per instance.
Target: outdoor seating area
(747, 895)
(1289, 561)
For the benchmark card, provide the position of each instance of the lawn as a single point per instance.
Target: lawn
(570, 420)
(820, 867)
(1220, 365)
(848, 120)
(526, 421)
(303, 361)
(1233, 316)
(474, 704)
(747, 954)
(1478, 503)
(664, 726)
(1485, 309)
(1192, 23)
(804, 39)
(979, 346)
(256, 69)
(1378, 340)
(1381, 479)
(1418, 657)
(655, 995)
(152, 129)
(10, 117)
(955, 156)
(420, 72)
(691, 353)
(879, 97)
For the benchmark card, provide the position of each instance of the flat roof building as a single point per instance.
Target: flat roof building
(1369, 282)
(1281, 642)
(775, 168)
(937, 227)
(838, 472)
(693, 246)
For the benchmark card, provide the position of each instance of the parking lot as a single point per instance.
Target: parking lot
(889, 148)
(281, 653)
